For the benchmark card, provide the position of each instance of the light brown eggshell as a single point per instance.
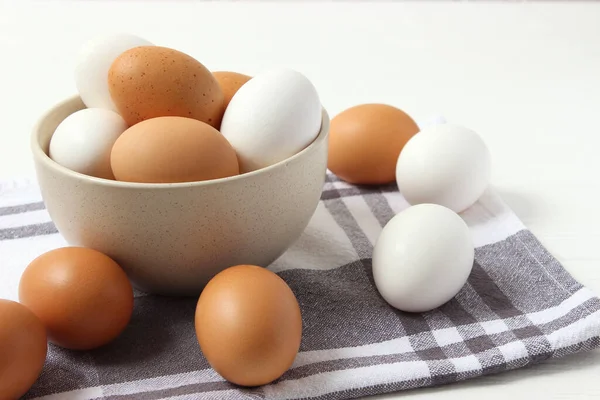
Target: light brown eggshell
(172, 149)
(365, 142)
(82, 296)
(230, 83)
(248, 325)
(23, 349)
(152, 81)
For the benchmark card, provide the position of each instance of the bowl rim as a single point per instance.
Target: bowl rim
(40, 155)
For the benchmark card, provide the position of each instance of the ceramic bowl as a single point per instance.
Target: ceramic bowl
(172, 238)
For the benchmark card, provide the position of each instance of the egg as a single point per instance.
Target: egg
(152, 81)
(92, 65)
(23, 349)
(248, 324)
(365, 141)
(172, 149)
(230, 83)
(422, 258)
(82, 296)
(83, 141)
(444, 164)
(272, 117)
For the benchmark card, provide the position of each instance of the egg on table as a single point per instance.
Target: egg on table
(365, 141)
(82, 296)
(152, 81)
(444, 164)
(83, 141)
(422, 258)
(248, 324)
(273, 116)
(23, 349)
(93, 63)
(172, 149)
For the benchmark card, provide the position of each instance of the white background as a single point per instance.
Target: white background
(526, 76)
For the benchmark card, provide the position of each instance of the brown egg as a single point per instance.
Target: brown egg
(248, 325)
(230, 83)
(151, 81)
(365, 142)
(23, 349)
(172, 149)
(82, 296)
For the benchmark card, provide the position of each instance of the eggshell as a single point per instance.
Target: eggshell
(172, 149)
(444, 164)
(422, 258)
(23, 349)
(152, 81)
(82, 296)
(365, 141)
(249, 325)
(83, 141)
(92, 65)
(272, 117)
(230, 83)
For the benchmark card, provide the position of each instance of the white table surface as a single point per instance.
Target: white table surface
(526, 76)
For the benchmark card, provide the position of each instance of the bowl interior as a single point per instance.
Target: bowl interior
(43, 131)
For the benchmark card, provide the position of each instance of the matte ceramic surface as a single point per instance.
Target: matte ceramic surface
(172, 238)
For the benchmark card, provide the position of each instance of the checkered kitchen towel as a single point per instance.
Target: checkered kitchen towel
(519, 307)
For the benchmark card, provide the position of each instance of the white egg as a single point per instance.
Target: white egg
(422, 258)
(273, 116)
(83, 141)
(93, 62)
(444, 164)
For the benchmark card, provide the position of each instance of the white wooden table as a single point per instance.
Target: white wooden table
(526, 76)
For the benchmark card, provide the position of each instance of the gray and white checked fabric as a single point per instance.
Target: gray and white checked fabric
(519, 307)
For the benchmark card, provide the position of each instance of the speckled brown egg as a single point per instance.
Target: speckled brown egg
(170, 150)
(82, 296)
(151, 81)
(23, 349)
(249, 325)
(230, 83)
(365, 142)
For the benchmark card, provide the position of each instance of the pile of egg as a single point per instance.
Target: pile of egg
(248, 321)
(424, 254)
(209, 125)
(157, 115)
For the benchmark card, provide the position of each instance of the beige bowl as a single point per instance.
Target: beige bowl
(172, 238)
